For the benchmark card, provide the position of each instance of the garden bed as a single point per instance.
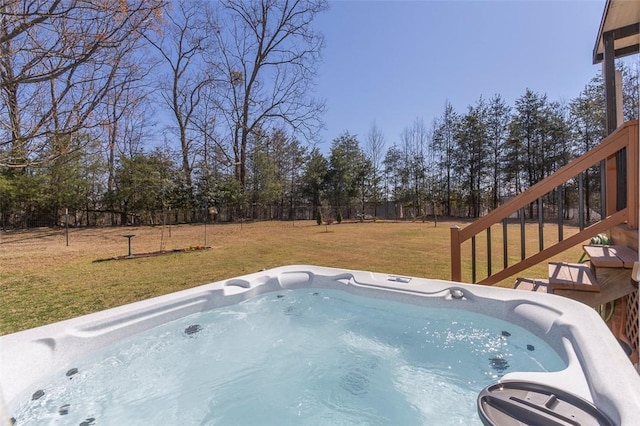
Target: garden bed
(154, 253)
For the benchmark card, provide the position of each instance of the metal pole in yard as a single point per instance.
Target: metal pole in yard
(66, 232)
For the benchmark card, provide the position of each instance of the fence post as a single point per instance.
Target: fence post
(456, 265)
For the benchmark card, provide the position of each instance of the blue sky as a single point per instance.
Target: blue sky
(393, 61)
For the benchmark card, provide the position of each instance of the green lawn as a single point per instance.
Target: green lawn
(43, 280)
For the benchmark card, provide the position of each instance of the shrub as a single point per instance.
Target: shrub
(319, 216)
(339, 218)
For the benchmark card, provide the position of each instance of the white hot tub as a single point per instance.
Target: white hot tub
(594, 369)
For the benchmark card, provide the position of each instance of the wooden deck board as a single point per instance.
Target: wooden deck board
(611, 256)
(603, 256)
(627, 255)
(532, 284)
(572, 276)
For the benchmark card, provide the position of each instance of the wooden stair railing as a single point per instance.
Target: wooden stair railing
(625, 137)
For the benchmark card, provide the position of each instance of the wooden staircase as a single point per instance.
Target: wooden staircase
(623, 141)
(605, 279)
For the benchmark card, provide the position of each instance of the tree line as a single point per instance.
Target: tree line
(146, 111)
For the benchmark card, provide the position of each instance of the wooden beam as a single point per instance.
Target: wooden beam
(626, 31)
(609, 75)
(620, 53)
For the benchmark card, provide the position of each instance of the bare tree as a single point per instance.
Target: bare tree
(212, 149)
(415, 144)
(182, 46)
(443, 146)
(269, 53)
(58, 60)
(127, 116)
(374, 150)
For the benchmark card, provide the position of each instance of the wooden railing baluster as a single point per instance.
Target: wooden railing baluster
(540, 225)
(489, 251)
(603, 189)
(473, 259)
(523, 241)
(505, 244)
(560, 213)
(581, 201)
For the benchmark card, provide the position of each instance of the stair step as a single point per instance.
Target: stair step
(572, 276)
(611, 256)
(532, 284)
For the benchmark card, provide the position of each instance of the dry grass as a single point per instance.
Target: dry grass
(43, 281)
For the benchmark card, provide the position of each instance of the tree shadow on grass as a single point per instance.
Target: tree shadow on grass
(30, 235)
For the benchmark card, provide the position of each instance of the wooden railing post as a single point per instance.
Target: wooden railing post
(633, 178)
(456, 260)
